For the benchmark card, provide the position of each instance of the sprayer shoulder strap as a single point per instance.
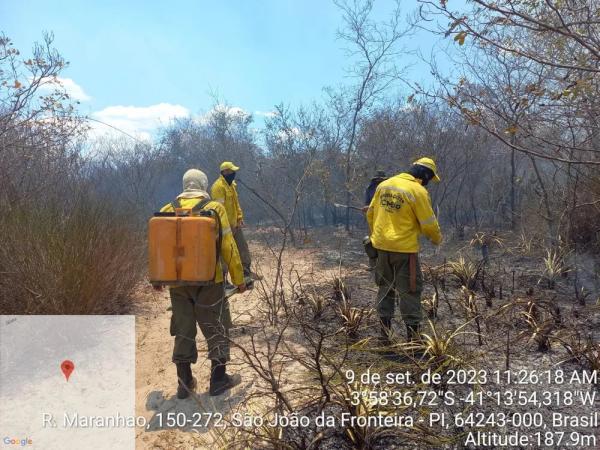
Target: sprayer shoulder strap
(175, 204)
(200, 205)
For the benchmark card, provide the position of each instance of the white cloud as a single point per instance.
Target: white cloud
(268, 114)
(231, 111)
(139, 121)
(290, 133)
(75, 91)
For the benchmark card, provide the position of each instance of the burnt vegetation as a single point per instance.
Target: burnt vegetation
(513, 130)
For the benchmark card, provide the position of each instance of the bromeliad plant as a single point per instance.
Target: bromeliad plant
(341, 293)
(585, 352)
(554, 267)
(540, 329)
(352, 318)
(465, 271)
(525, 243)
(441, 349)
(317, 304)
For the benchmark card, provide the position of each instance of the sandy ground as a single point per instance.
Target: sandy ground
(156, 375)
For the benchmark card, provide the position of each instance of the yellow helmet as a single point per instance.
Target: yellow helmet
(430, 164)
(228, 165)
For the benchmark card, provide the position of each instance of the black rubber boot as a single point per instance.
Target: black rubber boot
(220, 381)
(186, 383)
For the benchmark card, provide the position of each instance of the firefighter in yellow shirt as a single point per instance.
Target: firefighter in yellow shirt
(205, 305)
(224, 191)
(398, 214)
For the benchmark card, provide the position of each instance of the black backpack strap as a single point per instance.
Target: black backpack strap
(175, 204)
(200, 205)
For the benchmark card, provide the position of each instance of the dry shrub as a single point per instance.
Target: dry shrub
(68, 256)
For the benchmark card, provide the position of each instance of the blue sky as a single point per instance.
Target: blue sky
(134, 62)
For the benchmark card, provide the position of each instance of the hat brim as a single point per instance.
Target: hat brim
(231, 167)
(435, 175)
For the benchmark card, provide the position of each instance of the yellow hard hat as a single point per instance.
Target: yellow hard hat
(430, 164)
(228, 165)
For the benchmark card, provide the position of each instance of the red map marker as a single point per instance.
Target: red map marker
(67, 368)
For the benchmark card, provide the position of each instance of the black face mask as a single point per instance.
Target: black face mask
(422, 173)
(229, 178)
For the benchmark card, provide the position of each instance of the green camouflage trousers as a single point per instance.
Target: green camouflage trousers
(392, 277)
(206, 306)
(243, 249)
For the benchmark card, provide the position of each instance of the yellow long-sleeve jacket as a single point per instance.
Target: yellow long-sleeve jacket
(399, 212)
(229, 250)
(226, 194)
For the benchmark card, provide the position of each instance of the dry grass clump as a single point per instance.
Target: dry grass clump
(72, 257)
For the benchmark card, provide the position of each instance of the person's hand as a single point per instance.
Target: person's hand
(157, 287)
(241, 223)
(241, 288)
(365, 209)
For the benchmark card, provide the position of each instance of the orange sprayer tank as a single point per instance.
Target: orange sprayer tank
(182, 249)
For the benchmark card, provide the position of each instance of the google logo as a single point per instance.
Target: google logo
(22, 442)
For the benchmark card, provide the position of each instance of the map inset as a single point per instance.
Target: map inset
(93, 407)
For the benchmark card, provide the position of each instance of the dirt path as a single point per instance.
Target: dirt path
(156, 374)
